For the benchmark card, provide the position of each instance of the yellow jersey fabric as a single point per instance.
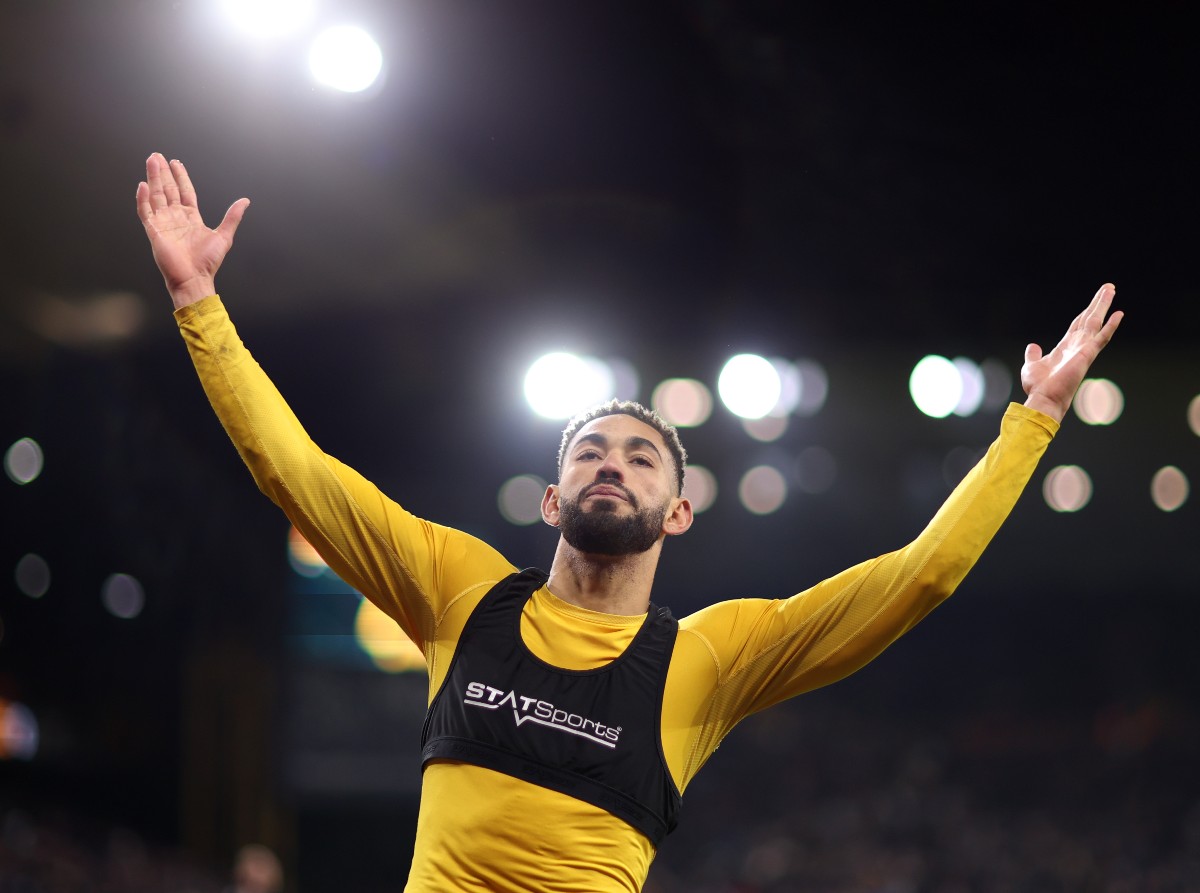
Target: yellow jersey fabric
(482, 830)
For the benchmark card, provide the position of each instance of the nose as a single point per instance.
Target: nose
(610, 470)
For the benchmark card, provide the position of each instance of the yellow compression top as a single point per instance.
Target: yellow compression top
(482, 830)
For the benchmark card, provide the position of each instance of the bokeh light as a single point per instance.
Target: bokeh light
(302, 556)
(23, 461)
(700, 487)
(769, 428)
(559, 385)
(935, 386)
(32, 575)
(972, 382)
(815, 470)
(1098, 402)
(1193, 415)
(749, 386)
(997, 384)
(123, 596)
(1067, 488)
(384, 642)
(19, 733)
(682, 402)
(762, 490)
(814, 387)
(1169, 488)
(345, 58)
(520, 499)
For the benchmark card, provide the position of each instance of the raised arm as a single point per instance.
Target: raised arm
(767, 651)
(187, 252)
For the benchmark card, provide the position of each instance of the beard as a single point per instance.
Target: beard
(601, 531)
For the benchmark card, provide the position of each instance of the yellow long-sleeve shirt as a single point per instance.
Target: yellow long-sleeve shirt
(482, 830)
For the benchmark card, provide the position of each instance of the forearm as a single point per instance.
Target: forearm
(337, 510)
(779, 649)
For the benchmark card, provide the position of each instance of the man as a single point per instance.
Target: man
(567, 713)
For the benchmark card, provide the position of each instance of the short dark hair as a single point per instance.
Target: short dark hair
(630, 408)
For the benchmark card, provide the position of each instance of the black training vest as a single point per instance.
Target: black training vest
(590, 734)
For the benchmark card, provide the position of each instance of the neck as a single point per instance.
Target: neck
(611, 584)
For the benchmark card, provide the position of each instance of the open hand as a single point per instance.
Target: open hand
(187, 252)
(1050, 381)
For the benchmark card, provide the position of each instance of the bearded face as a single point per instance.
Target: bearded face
(601, 529)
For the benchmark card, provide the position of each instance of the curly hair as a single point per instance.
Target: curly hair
(630, 408)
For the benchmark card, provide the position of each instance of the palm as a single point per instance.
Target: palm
(1056, 376)
(187, 252)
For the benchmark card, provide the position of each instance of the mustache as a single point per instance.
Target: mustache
(615, 485)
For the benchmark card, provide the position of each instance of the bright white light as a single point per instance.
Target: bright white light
(700, 487)
(33, 575)
(559, 385)
(1098, 402)
(936, 386)
(520, 499)
(749, 386)
(24, 460)
(123, 596)
(973, 385)
(1169, 488)
(683, 402)
(268, 19)
(762, 490)
(1067, 488)
(345, 58)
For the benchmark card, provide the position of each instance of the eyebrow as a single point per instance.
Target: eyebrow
(631, 443)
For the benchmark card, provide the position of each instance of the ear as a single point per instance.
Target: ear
(679, 518)
(550, 509)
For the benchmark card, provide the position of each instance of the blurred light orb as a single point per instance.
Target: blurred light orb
(790, 385)
(345, 58)
(384, 642)
(762, 490)
(1193, 415)
(626, 381)
(1067, 488)
(935, 386)
(19, 733)
(682, 402)
(520, 499)
(33, 575)
(971, 377)
(1169, 488)
(123, 596)
(1098, 402)
(997, 384)
(23, 461)
(769, 428)
(302, 556)
(700, 487)
(559, 385)
(816, 470)
(749, 386)
(268, 19)
(814, 387)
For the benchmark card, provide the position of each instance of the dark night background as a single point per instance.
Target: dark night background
(672, 183)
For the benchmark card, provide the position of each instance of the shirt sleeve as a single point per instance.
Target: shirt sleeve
(765, 651)
(410, 568)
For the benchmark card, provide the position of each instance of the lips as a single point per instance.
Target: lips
(607, 490)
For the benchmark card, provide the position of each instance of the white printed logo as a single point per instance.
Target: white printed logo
(527, 709)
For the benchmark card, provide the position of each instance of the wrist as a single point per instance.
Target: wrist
(1046, 406)
(188, 293)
